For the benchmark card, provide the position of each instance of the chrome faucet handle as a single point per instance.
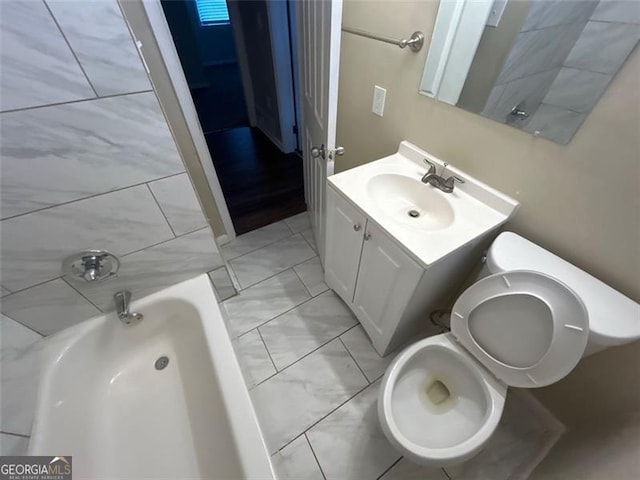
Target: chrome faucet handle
(447, 186)
(122, 300)
(432, 166)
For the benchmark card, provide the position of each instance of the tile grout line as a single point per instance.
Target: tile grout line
(161, 210)
(265, 246)
(352, 358)
(314, 454)
(306, 354)
(387, 470)
(284, 220)
(164, 241)
(284, 313)
(267, 349)
(325, 416)
(319, 347)
(34, 286)
(73, 52)
(275, 274)
(291, 234)
(302, 281)
(81, 294)
(28, 328)
(277, 316)
(216, 287)
(119, 256)
(262, 246)
(308, 242)
(232, 275)
(81, 100)
(119, 189)
(15, 434)
(301, 358)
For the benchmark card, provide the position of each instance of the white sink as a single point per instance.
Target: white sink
(390, 191)
(408, 201)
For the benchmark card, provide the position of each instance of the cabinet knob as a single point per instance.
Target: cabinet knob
(367, 236)
(357, 227)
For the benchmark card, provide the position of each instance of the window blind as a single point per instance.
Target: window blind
(212, 12)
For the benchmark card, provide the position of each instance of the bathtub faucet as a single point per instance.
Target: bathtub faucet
(122, 300)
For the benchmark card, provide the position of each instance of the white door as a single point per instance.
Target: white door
(386, 281)
(345, 232)
(319, 23)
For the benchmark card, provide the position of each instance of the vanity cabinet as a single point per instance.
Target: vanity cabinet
(375, 276)
(387, 278)
(397, 249)
(345, 235)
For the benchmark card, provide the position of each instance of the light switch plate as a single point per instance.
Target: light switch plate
(379, 96)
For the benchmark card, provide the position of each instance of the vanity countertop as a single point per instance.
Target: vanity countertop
(388, 188)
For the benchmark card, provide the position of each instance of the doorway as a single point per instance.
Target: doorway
(238, 59)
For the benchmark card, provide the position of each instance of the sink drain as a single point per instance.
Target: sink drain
(413, 213)
(161, 363)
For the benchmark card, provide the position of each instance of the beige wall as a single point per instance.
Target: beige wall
(599, 402)
(581, 201)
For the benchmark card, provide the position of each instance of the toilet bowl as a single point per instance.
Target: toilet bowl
(435, 406)
(442, 397)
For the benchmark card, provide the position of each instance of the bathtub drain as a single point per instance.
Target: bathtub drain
(161, 363)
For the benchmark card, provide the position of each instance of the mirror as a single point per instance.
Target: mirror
(537, 65)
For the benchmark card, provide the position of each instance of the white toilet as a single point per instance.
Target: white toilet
(526, 323)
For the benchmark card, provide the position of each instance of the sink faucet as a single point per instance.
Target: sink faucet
(438, 181)
(122, 300)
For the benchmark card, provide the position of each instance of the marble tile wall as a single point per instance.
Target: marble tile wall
(610, 35)
(19, 347)
(88, 161)
(563, 59)
(549, 32)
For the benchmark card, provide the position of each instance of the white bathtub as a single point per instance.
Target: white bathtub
(102, 401)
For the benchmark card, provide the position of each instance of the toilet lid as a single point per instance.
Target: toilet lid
(528, 328)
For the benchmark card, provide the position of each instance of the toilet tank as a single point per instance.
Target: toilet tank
(614, 319)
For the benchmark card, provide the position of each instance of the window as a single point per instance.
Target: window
(212, 12)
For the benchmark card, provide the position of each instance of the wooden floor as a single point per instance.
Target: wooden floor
(260, 184)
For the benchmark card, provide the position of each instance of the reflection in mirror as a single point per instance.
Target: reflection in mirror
(537, 65)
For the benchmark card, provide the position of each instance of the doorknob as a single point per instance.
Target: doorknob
(322, 152)
(318, 152)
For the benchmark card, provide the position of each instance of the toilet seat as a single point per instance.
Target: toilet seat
(527, 328)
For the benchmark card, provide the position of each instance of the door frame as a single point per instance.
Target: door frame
(164, 41)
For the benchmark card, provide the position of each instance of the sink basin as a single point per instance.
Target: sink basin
(428, 223)
(408, 201)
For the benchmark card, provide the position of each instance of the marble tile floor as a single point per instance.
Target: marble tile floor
(314, 376)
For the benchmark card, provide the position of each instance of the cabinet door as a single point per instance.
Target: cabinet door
(345, 231)
(386, 282)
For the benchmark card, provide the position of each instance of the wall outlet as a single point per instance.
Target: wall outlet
(379, 96)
